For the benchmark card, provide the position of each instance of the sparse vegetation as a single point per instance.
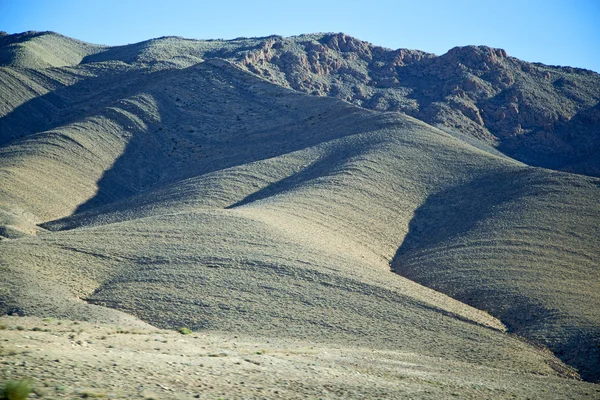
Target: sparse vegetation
(16, 390)
(185, 331)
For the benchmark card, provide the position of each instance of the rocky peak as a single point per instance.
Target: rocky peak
(481, 58)
(525, 109)
(345, 44)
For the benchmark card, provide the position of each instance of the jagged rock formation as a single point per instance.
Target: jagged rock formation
(539, 114)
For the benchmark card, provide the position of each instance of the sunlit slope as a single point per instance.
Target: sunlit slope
(542, 115)
(169, 125)
(43, 50)
(232, 248)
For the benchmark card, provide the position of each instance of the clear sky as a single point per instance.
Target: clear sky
(557, 32)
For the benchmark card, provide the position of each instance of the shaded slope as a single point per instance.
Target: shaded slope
(525, 109)
(41, 100)
(522, 245)
(295, 261)
(171, 125)
(232, 270)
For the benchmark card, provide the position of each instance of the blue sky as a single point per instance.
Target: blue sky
(557, 32)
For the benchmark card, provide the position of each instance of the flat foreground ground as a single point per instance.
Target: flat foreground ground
(70, 360)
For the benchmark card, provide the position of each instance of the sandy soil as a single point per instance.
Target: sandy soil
(71, 360)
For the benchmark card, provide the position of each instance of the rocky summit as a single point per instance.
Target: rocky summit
(317, 217)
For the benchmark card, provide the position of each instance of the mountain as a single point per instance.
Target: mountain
(314, 188)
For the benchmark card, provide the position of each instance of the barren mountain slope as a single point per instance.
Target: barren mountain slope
(43, 49)
(542, 115)
(196, 193)
(522, 245)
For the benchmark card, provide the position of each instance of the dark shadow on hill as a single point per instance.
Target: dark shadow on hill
(435, 232)
(570, 146)
(68, 104)
(319, 169)
(455, 211)
(215, 116)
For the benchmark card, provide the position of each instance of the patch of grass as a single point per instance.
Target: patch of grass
(16, 390)
(184, 331)
(3, 327)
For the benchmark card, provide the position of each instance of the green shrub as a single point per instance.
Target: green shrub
(16, 390)
(184, 331)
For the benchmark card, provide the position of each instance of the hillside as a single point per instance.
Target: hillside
(196, 183)
(42, 50)
(542, 115)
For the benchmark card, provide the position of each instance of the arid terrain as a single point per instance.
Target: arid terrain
(330, 218)
(83, 360)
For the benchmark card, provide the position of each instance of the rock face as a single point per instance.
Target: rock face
(541, 115)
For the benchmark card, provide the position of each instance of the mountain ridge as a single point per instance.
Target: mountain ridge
(541, 115)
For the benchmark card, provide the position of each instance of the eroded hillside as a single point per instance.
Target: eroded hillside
(196, 183)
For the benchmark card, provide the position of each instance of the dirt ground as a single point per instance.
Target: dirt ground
(71, 360)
